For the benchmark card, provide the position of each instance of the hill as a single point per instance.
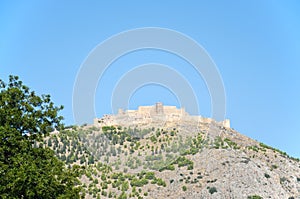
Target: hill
(122, 157)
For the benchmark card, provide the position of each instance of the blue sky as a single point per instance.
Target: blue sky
(255, 45)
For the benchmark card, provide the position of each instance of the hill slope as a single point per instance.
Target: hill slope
(186, 159)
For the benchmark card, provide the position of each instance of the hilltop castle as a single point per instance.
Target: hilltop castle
(157, 110)
(150, 114)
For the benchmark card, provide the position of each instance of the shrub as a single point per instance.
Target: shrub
(159, 182)
(139, 183)
(123, 196)
(199, 176)
(212, 190)
(170, 167)
(183, 161)
(184, 188)
(150, 175)
(282, 180)
(254, 197)
(125, 186)
(153, 138)
(267, 175)
(104, 193)
(274, 166)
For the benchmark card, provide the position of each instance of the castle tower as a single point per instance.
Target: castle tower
(159, 108)
(226, 123)
(121, 111)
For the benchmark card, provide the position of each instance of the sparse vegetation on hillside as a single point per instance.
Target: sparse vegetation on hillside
(125, 162)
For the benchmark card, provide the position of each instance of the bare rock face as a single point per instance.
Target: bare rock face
(159, 152)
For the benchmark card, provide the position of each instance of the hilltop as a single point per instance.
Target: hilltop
(163, 152)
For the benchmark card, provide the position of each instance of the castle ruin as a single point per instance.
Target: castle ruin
(152, 114)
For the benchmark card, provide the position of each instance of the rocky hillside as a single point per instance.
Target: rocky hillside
(186, 159)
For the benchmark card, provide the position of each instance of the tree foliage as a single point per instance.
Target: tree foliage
(27, 171)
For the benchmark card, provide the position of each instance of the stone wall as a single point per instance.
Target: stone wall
(148, 114)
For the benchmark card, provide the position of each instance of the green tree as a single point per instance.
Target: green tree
(49, 143)
(125, 186)
(91, 159)
(27, 171)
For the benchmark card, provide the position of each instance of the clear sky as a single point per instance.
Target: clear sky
(255, 45)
